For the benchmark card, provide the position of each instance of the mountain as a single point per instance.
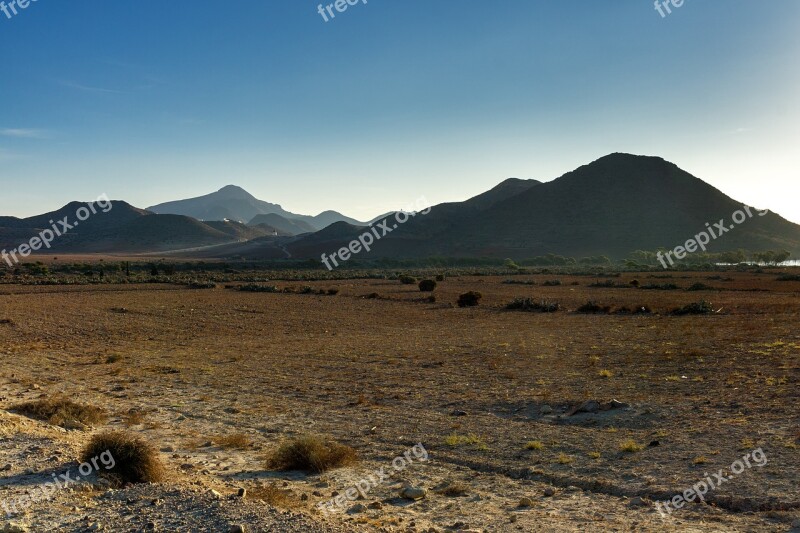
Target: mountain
(283, 225)
(613, 206)
(507, 189)
(234, 203)
(123, 228)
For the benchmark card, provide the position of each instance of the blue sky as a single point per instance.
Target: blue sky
(393, 100)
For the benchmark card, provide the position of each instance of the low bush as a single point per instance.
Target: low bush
(663, 287)
(469, 299)
(534, 306)
(789, 277)
(608, 284)
(427, 285)
(639, 310)
(552, 283)
(698, 308)
(134, 459)
(408, 280)
(62, 412)
(700, 287)
(311, 454)
(201, 285)
(593, 308)
(253, 287)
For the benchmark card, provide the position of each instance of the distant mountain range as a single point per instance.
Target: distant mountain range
(234, 203)
(613, 206)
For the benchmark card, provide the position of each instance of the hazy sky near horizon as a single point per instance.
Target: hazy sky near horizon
(154, 101)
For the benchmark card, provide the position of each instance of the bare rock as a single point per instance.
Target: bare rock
(413, 493)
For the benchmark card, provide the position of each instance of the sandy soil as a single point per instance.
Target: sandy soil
(489, 393)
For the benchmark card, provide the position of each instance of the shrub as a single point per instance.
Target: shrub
(529, 304)
(635, 283)
(469, 299)
(253, 287)
(593, 308)
(62, 412)
(700, 287)
(238, 441)
(698, 308)
(372, 296)
(552, 283)
(789, 277)
(630, 446)
(408, 280)
(664, 287)
(202, 285)
(639, 310)
(519, 282)
(135, 460)
(427, 285)
(311, 454)
(273, 495)
(608, 284)
(333, 292)
(439, 277)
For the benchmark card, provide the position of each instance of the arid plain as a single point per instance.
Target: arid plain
(502, 400)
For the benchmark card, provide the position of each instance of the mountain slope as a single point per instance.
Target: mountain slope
(613, 206)
(123, 228)
(282, 224)
(234, 203)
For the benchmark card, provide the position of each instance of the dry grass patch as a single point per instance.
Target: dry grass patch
(455, 441)
(135, 460)
(62, 412)
(236, 441)
(630, 446)
(311, 454)
(453, 489)
(274, 496)
(534, 445)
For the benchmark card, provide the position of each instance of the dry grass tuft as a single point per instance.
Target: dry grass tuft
(311, 454)
(236, 441)
(62, 412)
(274, 496)
(133, 418)
(135, 460)
(630, 446)
(453, 489)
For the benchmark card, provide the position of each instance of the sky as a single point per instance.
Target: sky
(390, 101)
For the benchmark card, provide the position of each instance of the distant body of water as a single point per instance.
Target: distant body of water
(790, 263)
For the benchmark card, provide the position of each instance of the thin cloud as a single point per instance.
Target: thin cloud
(87, 88)
(23, 133)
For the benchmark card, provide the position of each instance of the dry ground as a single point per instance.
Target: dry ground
(473, 385)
